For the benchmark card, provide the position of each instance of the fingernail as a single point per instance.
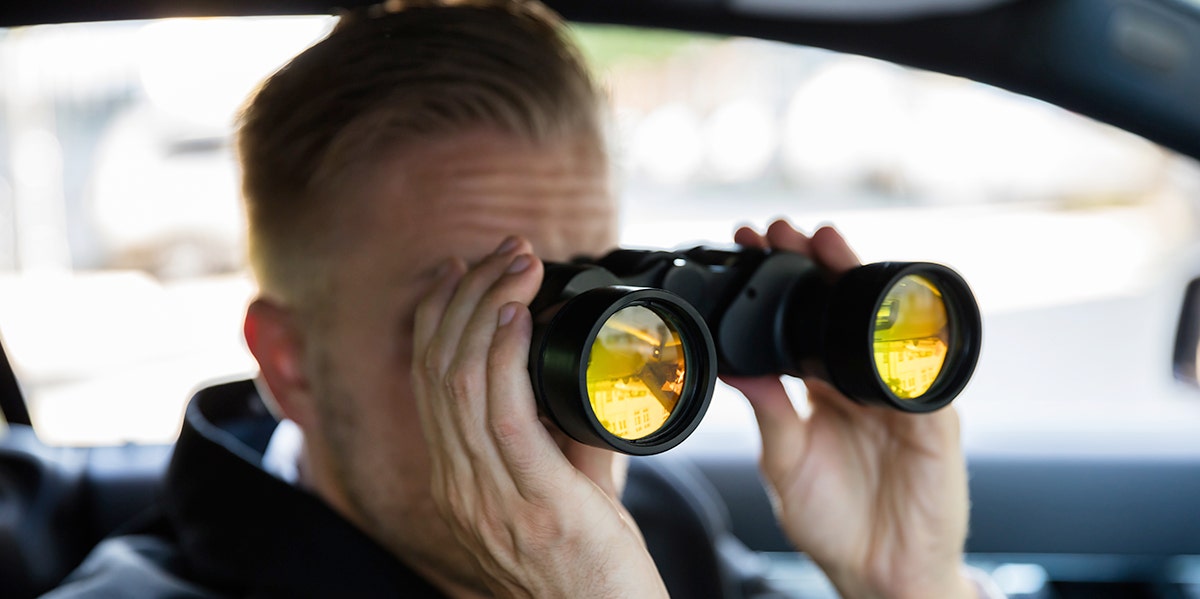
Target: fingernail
(507, 312)
(521, 263)
(509, 244)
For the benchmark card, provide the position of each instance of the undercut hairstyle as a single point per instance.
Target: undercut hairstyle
(388, 78)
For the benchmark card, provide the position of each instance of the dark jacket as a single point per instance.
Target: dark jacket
(225, 527)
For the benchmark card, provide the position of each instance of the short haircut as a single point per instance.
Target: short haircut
(388, 78)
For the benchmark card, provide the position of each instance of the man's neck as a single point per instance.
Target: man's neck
(314, 479)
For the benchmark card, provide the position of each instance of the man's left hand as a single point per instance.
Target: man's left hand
(876, 497)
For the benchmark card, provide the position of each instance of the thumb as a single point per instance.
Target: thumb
(784, 432)
(601, 466)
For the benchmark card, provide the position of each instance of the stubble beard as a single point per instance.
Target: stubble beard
(389, 493)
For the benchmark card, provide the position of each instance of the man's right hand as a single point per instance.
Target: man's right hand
(534, 522)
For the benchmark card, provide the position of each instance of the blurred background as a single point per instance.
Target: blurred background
(122, 270)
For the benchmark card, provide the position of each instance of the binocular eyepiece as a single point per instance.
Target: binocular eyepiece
(627, 348)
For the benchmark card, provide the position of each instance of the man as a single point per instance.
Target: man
(404, 179)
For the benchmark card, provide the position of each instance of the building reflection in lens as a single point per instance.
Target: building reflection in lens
(911, 337)
(635, 372)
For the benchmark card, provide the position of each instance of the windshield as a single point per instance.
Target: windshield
(123, 279)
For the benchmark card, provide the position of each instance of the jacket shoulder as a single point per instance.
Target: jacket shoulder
(142, 566)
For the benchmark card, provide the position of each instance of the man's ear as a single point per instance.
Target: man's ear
(275, 339)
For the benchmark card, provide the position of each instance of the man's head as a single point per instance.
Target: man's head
(388, 82)
(401, 140)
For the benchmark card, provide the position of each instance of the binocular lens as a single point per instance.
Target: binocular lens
(617, 367)
(911, 337)
(626, 350)
(635, 372)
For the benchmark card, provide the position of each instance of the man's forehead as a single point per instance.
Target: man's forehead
(461, 196)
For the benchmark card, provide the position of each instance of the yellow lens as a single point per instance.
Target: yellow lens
(911, 337)
(635, 372)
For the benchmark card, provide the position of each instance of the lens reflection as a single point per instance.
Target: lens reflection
(911, 337)
(635, 372)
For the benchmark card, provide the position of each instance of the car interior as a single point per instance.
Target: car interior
(1084, 469)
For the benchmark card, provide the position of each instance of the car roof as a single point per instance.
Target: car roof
(1132, 63)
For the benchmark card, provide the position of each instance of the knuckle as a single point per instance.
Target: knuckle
(499, 538)
(462, 381)
(433, 364)
(506, 429)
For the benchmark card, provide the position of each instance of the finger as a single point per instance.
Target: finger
(831, 251)
(427, 319)
(935, 433)
(471, 288)
(470, 367)
(824, 396)
(783, 236)
(519, 283)
(468, 450)
(428, 315)
(523, 444)
(748, 237)
(442, 395)
(784, 433)
(599, 465)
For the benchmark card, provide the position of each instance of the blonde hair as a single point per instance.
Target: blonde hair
(387, 77)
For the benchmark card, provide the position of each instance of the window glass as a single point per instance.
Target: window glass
(1076, 237)
(121, 270)
(123, 281)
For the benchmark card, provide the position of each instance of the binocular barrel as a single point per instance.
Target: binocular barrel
(627, 348)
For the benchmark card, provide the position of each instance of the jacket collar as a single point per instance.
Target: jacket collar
(245, 531)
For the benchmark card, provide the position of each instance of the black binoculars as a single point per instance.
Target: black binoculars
(627, 348)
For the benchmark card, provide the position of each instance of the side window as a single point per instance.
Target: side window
(1058, 223)
(122, 277)
(122, 284)
(12, 404)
